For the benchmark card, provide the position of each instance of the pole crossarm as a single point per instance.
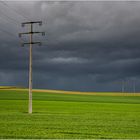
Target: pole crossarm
(32, 22)
(31, 43)
(28, 43)
(20, 34)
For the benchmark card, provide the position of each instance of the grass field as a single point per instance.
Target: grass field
(60, 115)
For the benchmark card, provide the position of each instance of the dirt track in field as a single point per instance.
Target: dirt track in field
(79, 93)
(89, 93)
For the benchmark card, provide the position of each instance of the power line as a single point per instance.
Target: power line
(13, 9)
(6, 32)
(12, 19)
(10, 34)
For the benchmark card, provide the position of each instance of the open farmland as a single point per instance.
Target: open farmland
(67, 115)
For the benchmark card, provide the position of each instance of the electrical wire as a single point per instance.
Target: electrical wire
(13, 9)
(13, 20)
(9, 33)
(6, 32)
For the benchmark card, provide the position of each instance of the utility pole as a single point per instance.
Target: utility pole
(30, 43)
(134, 85)
(123, 86)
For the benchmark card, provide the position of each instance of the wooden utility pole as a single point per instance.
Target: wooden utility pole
(30, 43)
(134, 85)
(123, 86)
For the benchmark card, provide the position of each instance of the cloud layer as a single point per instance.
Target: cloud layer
(89, 46)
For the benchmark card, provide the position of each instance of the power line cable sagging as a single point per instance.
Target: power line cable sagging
(14, 10)
(11, 21)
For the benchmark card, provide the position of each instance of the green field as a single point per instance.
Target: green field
(57, 115)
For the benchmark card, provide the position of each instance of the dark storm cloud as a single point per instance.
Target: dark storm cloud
(88, 45)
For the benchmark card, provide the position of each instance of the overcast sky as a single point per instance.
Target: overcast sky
(89, 46)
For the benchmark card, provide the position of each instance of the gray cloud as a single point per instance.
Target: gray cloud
(89, 46)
